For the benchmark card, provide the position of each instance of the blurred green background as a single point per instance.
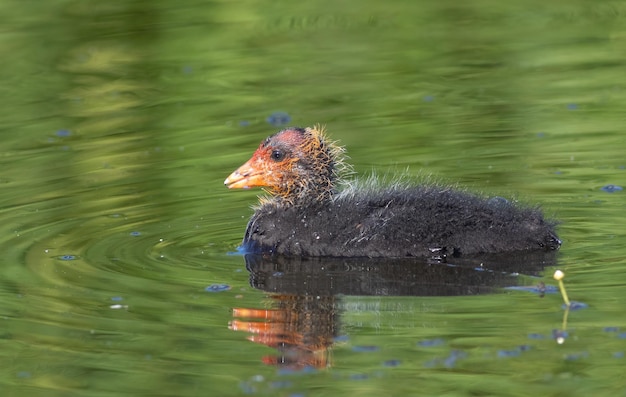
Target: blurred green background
(121, 119)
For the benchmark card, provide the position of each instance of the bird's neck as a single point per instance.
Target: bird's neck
(306, 196)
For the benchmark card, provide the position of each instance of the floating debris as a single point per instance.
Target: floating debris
(341, 338)
(292, 371)
(63, 133)
(513, 352)
(559, 335)
(576, 356)
(540, 289)
(67, 257)
(454, 356)
(365, 349)
(509, 353)
(573, 305)
(218, 288)
(431, 342)
(391, 363)
(278, 118)
(611, 188)
(280, 384)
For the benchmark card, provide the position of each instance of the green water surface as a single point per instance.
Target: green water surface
(120, 121)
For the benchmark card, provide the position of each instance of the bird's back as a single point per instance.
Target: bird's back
(420, 221)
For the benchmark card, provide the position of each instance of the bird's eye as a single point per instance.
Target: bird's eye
(277, 155)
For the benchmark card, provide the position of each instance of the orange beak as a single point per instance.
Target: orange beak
(251, 174)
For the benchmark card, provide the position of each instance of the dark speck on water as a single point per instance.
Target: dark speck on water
(217, 288)
(278, 118)
(67, 257)
(508, 353)
(362, 349)
(280, 384)
(391, 363)
(611, 188)
(559, 334)
(289, 371)
(63, 133)
(576, 305)
(535, 289)
(576, 356)
(513, 352)
(454, 356)
(430, 342)
(116, 148)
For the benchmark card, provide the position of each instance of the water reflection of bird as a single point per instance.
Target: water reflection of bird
(314, 211)
(301, 328)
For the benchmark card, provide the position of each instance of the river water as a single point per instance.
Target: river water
(120, 271)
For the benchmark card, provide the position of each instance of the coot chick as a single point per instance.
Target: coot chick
(308, 215)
